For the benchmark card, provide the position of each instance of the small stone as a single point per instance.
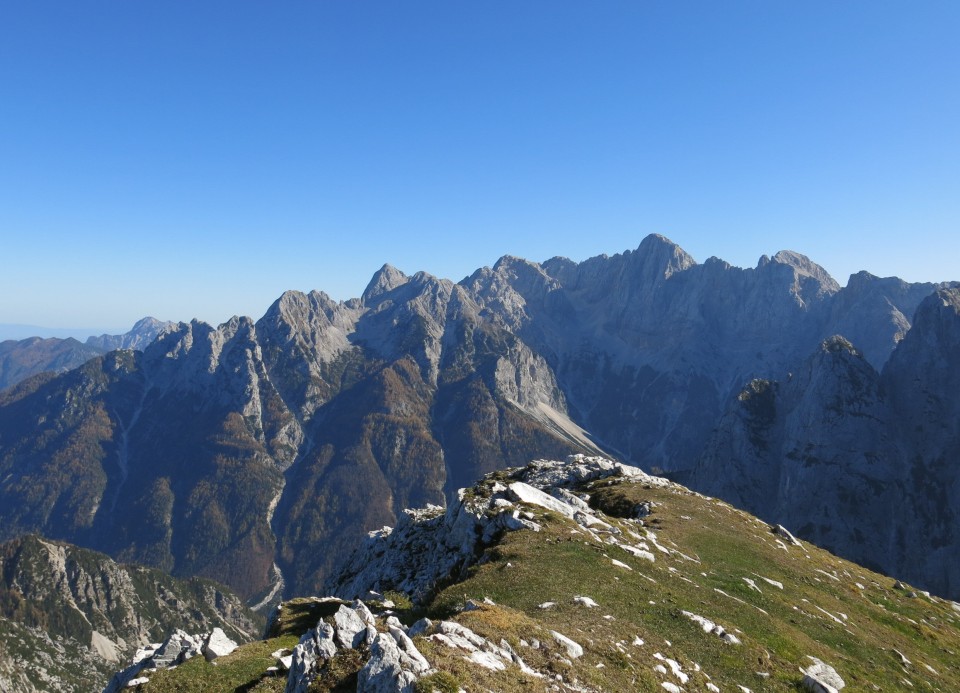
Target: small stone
(782, 531)
(420, 627)
(574, 650)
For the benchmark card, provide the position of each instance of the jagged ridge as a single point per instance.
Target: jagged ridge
(258, 452)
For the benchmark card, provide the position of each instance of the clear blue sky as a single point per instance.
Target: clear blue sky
(197, 159)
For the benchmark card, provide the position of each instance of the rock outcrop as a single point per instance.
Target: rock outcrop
(178, 648)
(434, 544)
(83, 613)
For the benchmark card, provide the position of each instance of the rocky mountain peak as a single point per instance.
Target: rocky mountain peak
(924, 370)
(949, 299)
(807, 268)
(385, 280)
(807, 282)
(839, 344)
(144, 331)
(661, 256)
(936, 330)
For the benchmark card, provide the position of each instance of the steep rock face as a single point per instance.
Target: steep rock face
(304, 339)
(923, 379)
(863, 463)
(812, 453)
(83, 613)
(875, 313)
(648, 344)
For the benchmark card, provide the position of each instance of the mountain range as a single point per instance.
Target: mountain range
(259, 453)
(19, 359)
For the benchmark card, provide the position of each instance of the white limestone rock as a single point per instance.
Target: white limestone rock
(350, 628)
(709, 626)
(820, 677)
(782, 531)
(315, 645)
(420, 627)
(176, 649)
(525, 493)
(574, 650)
(217, 644)
(391, 668)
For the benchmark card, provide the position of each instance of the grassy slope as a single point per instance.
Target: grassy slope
(560, 563)
(720, 546)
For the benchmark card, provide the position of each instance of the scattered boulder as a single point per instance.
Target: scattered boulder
(351, 629)
(574, 650)
(420, 627)
(820, 677)
(217, 644)
(643, 509)
(713, 628)
(902, 658)
(175, 650)
(784, 533)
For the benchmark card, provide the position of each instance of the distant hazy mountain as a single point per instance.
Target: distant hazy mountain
(32, 355)
(258, 453)
(16, 332)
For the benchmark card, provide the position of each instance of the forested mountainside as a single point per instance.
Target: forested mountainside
(259, 452)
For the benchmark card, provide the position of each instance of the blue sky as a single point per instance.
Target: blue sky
(197, 159)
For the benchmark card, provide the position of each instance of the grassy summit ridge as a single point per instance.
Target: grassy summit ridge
(783, 602)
